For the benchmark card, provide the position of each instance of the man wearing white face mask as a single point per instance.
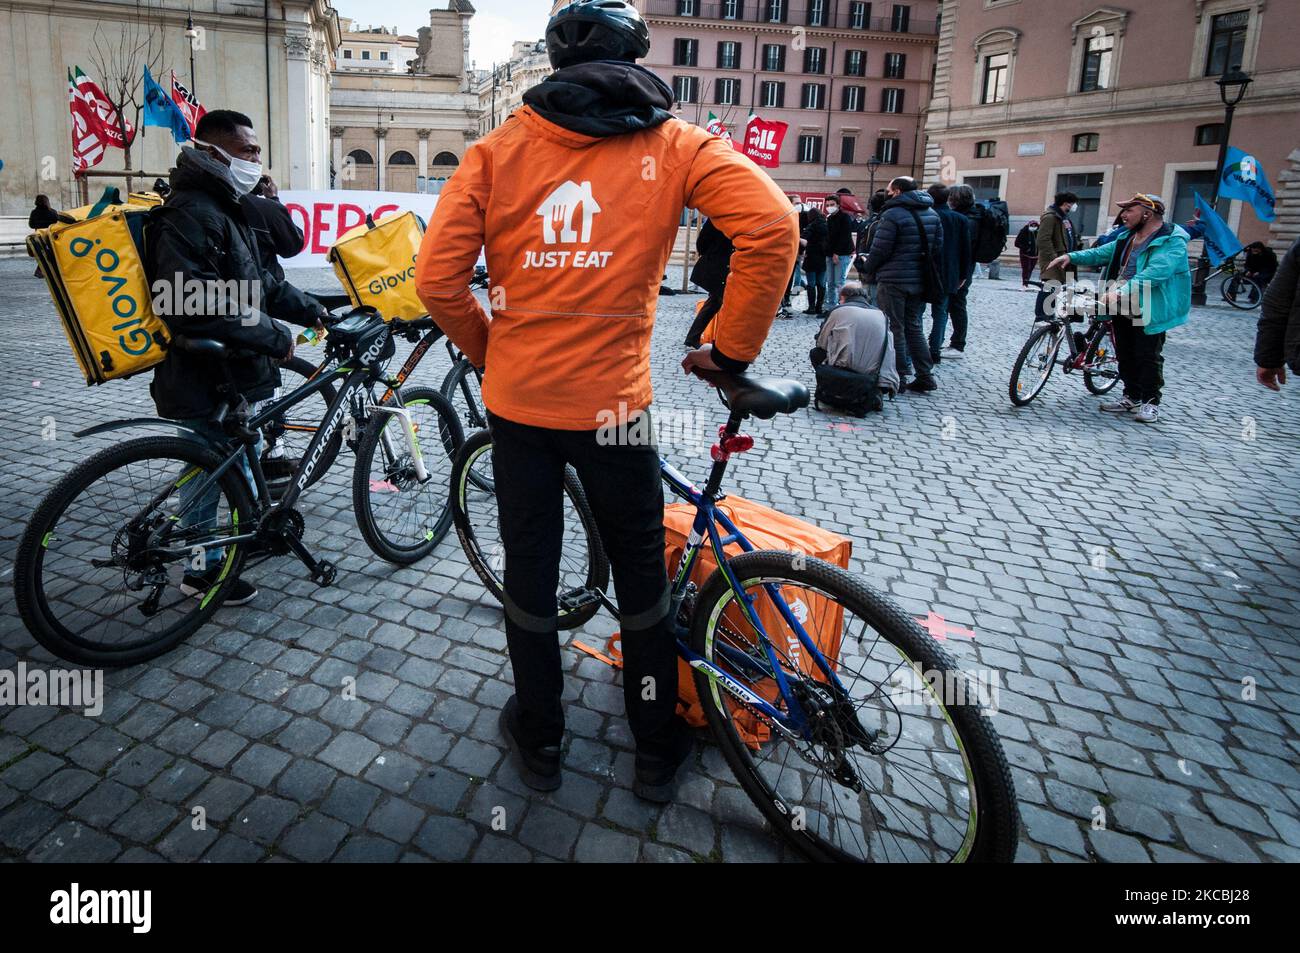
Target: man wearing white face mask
(200, 239)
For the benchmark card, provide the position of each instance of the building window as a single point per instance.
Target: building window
(887, 151)
(383, 55)
(855, 62)
(686, 52)
(726, 92)
(816, 12)
(986, 149)
(1211, 134)
(728, 55)
(361, 157)
(1085, 142)
(854, 99)
(772, 95)
(365, 54)
(1186, 186)
(687, 8)
(891, 100)
(895, 65)
(859, 16)
(814, 59)
(1096, 63)
(686, 88)
(1227, 42)
(773, 58)
(775, 11)
(847, 145)
(994, 89)
(445, 158)
(732, 9)
(900, 18)
(401, 157)
(984, 186)
(347, 54)
(810, 149)
(814, 96)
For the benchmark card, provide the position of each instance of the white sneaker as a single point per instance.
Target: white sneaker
(1147, 414)
(953, 353)
(1121, 406)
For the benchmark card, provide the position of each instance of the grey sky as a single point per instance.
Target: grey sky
(496, 23)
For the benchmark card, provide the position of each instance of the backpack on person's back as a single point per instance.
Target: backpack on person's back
(992, 225)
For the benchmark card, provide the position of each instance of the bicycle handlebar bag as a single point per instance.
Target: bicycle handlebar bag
(375, 263)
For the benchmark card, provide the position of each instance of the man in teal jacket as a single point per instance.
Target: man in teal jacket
(1150, 291)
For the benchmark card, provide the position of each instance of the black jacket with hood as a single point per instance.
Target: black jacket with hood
(896, 252)
(200, 234)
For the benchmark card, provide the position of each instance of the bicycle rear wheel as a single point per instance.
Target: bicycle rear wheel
(463, 389)
(1034, 364)
(287, 435)
(1241, 292)
(903, 765)
(584, 568)
(98, 571)
(401, 518)
(1100, 364)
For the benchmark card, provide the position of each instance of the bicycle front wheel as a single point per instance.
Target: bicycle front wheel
(1242, 292)
(584, 568)
(463, 388)
(120, 561)
(896, 763)
(1100, 364)
(401, 517)
(1034, 365)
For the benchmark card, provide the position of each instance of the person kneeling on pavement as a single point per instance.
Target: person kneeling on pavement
(854, 356)
(1150, 291)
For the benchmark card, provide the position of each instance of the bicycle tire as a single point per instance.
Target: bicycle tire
(303, 419)
(426, 537)
(1100, 348)
(29, 562)
(465, 397)
(996, 818)
(464, 488)
(1018, 397)
(1242, 292)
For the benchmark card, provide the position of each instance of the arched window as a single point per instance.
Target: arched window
(401, 157)
(361, 157)
(445, 158)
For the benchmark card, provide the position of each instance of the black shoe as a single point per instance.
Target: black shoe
(539, 767)
(656, 777)
(923, 385)
(811, 311)
(197, 584)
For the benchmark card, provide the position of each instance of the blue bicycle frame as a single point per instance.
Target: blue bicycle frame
(708, 519)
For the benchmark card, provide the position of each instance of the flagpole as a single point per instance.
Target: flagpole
(1233, 77)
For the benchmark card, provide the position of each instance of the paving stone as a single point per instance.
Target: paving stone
(446, 838)
(314, 839)
(264, 819)
(104, 803)
(550, 832)
(305, 781)
(1211, 840)
(74, 843)
(1051, 829)
(350, 753)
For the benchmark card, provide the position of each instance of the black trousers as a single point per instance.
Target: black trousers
(711, 306)
(959, 317)
(622, 484)
(1141, 361)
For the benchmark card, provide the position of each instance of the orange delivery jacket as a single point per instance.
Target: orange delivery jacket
(578, 231)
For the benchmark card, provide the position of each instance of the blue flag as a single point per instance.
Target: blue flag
(161, 110)
(1244, 178)
(1220, 242)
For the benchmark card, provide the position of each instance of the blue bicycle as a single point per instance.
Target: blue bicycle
(849, 727)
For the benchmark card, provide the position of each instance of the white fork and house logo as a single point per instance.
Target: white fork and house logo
(567, 215)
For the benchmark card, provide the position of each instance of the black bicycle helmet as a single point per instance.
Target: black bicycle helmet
(596, 30)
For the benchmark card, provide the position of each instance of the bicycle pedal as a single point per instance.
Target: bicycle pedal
(324, 574)
(576, 599)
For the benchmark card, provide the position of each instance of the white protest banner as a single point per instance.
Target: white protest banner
(324, 216)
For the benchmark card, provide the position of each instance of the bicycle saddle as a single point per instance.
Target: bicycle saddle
(763, 397)
(203, 346)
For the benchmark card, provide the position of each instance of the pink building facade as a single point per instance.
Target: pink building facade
(1104, 101)
(851, 80)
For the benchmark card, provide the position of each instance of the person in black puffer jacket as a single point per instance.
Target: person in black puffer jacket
(895, 263)
(200, 239)
(815, 236)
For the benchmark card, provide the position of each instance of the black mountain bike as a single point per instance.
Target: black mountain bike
(99, 571)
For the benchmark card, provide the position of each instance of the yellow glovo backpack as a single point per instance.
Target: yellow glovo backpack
(375, 263)
(95, 272)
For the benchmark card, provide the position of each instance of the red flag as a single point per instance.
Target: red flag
(190, 106)
(87, 145)
(763, 138)
(102, 116)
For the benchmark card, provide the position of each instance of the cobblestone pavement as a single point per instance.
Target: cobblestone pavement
(1131, 585)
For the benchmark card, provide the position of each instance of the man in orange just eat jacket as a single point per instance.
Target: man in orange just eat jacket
(577, 198)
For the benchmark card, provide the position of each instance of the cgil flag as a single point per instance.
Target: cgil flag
(187, 103)
(87, 144)
(763, 138)
(161, 110)
(103, 117)
(1220, 242)
(1244, 178)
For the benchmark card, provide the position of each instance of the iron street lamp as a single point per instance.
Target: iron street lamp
(872, 165)
(1232, 87)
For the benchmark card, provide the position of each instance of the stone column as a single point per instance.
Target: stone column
(336, 150)
(293, 113)
(381, 134)
(423, 157)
